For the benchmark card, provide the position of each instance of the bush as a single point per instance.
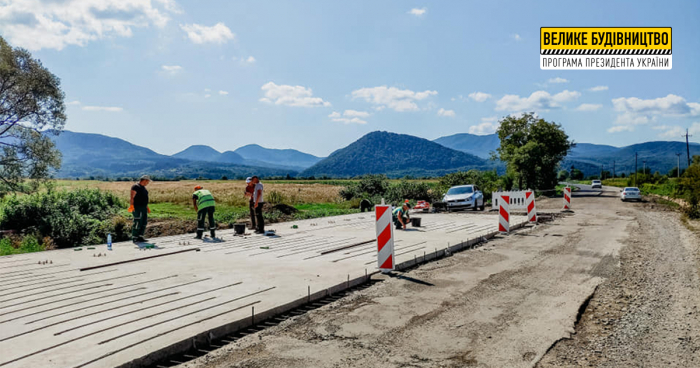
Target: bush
(28, 244)
(69, 218)
(275, 197)
(690, 188)
(369, 186)
(402, 190)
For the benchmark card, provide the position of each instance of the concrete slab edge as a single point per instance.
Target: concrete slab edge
(206, 337)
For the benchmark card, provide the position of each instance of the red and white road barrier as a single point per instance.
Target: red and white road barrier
(530, 203)
(504, 214)
(385, 238)
(567, 198)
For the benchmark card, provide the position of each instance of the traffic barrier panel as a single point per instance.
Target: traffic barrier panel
(531, 210)
(504, 214)
(567, 198)
(385, 238)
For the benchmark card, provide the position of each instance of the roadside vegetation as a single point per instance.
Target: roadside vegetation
(687, 187)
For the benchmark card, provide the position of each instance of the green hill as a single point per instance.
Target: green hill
(395, 155)
(477, 145)
(278, 157)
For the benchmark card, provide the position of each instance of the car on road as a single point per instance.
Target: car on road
(630, 193)
(596, 184)
(463, 197)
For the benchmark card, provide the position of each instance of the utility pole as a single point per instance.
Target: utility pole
(679, 164)
(687, 146)
(635, 169)
(644, 166)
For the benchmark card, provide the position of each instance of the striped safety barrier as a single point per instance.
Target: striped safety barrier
(504, 214)
(567, 198)
(530, 203)
(385, 238)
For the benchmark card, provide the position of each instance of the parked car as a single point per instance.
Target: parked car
(630, 193)
(463, 197)
(596, 184)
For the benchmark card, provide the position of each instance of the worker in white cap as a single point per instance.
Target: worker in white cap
(249, 189)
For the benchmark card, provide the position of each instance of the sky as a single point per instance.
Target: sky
(317, 75)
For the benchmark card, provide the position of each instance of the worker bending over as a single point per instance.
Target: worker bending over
(204, 204)
(400, 216)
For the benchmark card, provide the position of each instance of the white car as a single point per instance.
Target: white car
(464, 196)
(630, 193)
(596, 184)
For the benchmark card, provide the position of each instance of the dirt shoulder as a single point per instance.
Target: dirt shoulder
(502, 305)
(646, 313)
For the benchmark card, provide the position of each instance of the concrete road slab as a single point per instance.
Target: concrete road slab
(68, 308)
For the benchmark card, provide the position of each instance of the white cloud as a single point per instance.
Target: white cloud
(478, 96)
(635, 111)
(359, 114)
(245, 61)
(207, 95)
(102, 108)
(51, 24)
(670, 131)
(620, 128)
(447, 113)
(671, 105)
(291, 96)
(224, 93)
(488, 125)
(557, 80)
(76, 102)
(589, 107)
(694, 129)
(418, 12)
(517, 37)
(349, 117)
(200, 34)
(171, 69)
(393, 98)
(598, 88)
(539, 100)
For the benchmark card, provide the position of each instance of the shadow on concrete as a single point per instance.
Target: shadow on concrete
(411, 279)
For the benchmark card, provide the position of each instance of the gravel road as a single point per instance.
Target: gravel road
(614, 284)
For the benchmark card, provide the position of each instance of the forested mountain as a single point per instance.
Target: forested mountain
(395, 155)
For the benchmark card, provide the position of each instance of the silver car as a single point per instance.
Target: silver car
(630, 193)
(464, 196)
(596, 184)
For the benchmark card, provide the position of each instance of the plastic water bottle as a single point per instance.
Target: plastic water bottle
(109, 241)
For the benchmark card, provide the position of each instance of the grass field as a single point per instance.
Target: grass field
(173, 199)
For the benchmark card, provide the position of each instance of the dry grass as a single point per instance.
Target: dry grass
(229, 192)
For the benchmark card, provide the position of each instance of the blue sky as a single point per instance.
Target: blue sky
(317, 75)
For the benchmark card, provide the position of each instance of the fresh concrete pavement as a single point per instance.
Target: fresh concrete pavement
(69, 308)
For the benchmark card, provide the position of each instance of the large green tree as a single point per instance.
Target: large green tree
(31, 107)
(532, 149)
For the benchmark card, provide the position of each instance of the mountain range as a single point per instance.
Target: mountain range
(591, 158)
(395, 155)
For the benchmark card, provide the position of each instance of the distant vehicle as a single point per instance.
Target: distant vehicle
(630, 193)
(463, 197)
(596, 184)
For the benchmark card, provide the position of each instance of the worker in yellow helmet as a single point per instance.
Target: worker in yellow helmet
(204, 204)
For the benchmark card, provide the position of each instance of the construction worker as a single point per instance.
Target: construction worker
(138, 206)
(258, 205)
(249, 189)
(204, 204)
(400, 216)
